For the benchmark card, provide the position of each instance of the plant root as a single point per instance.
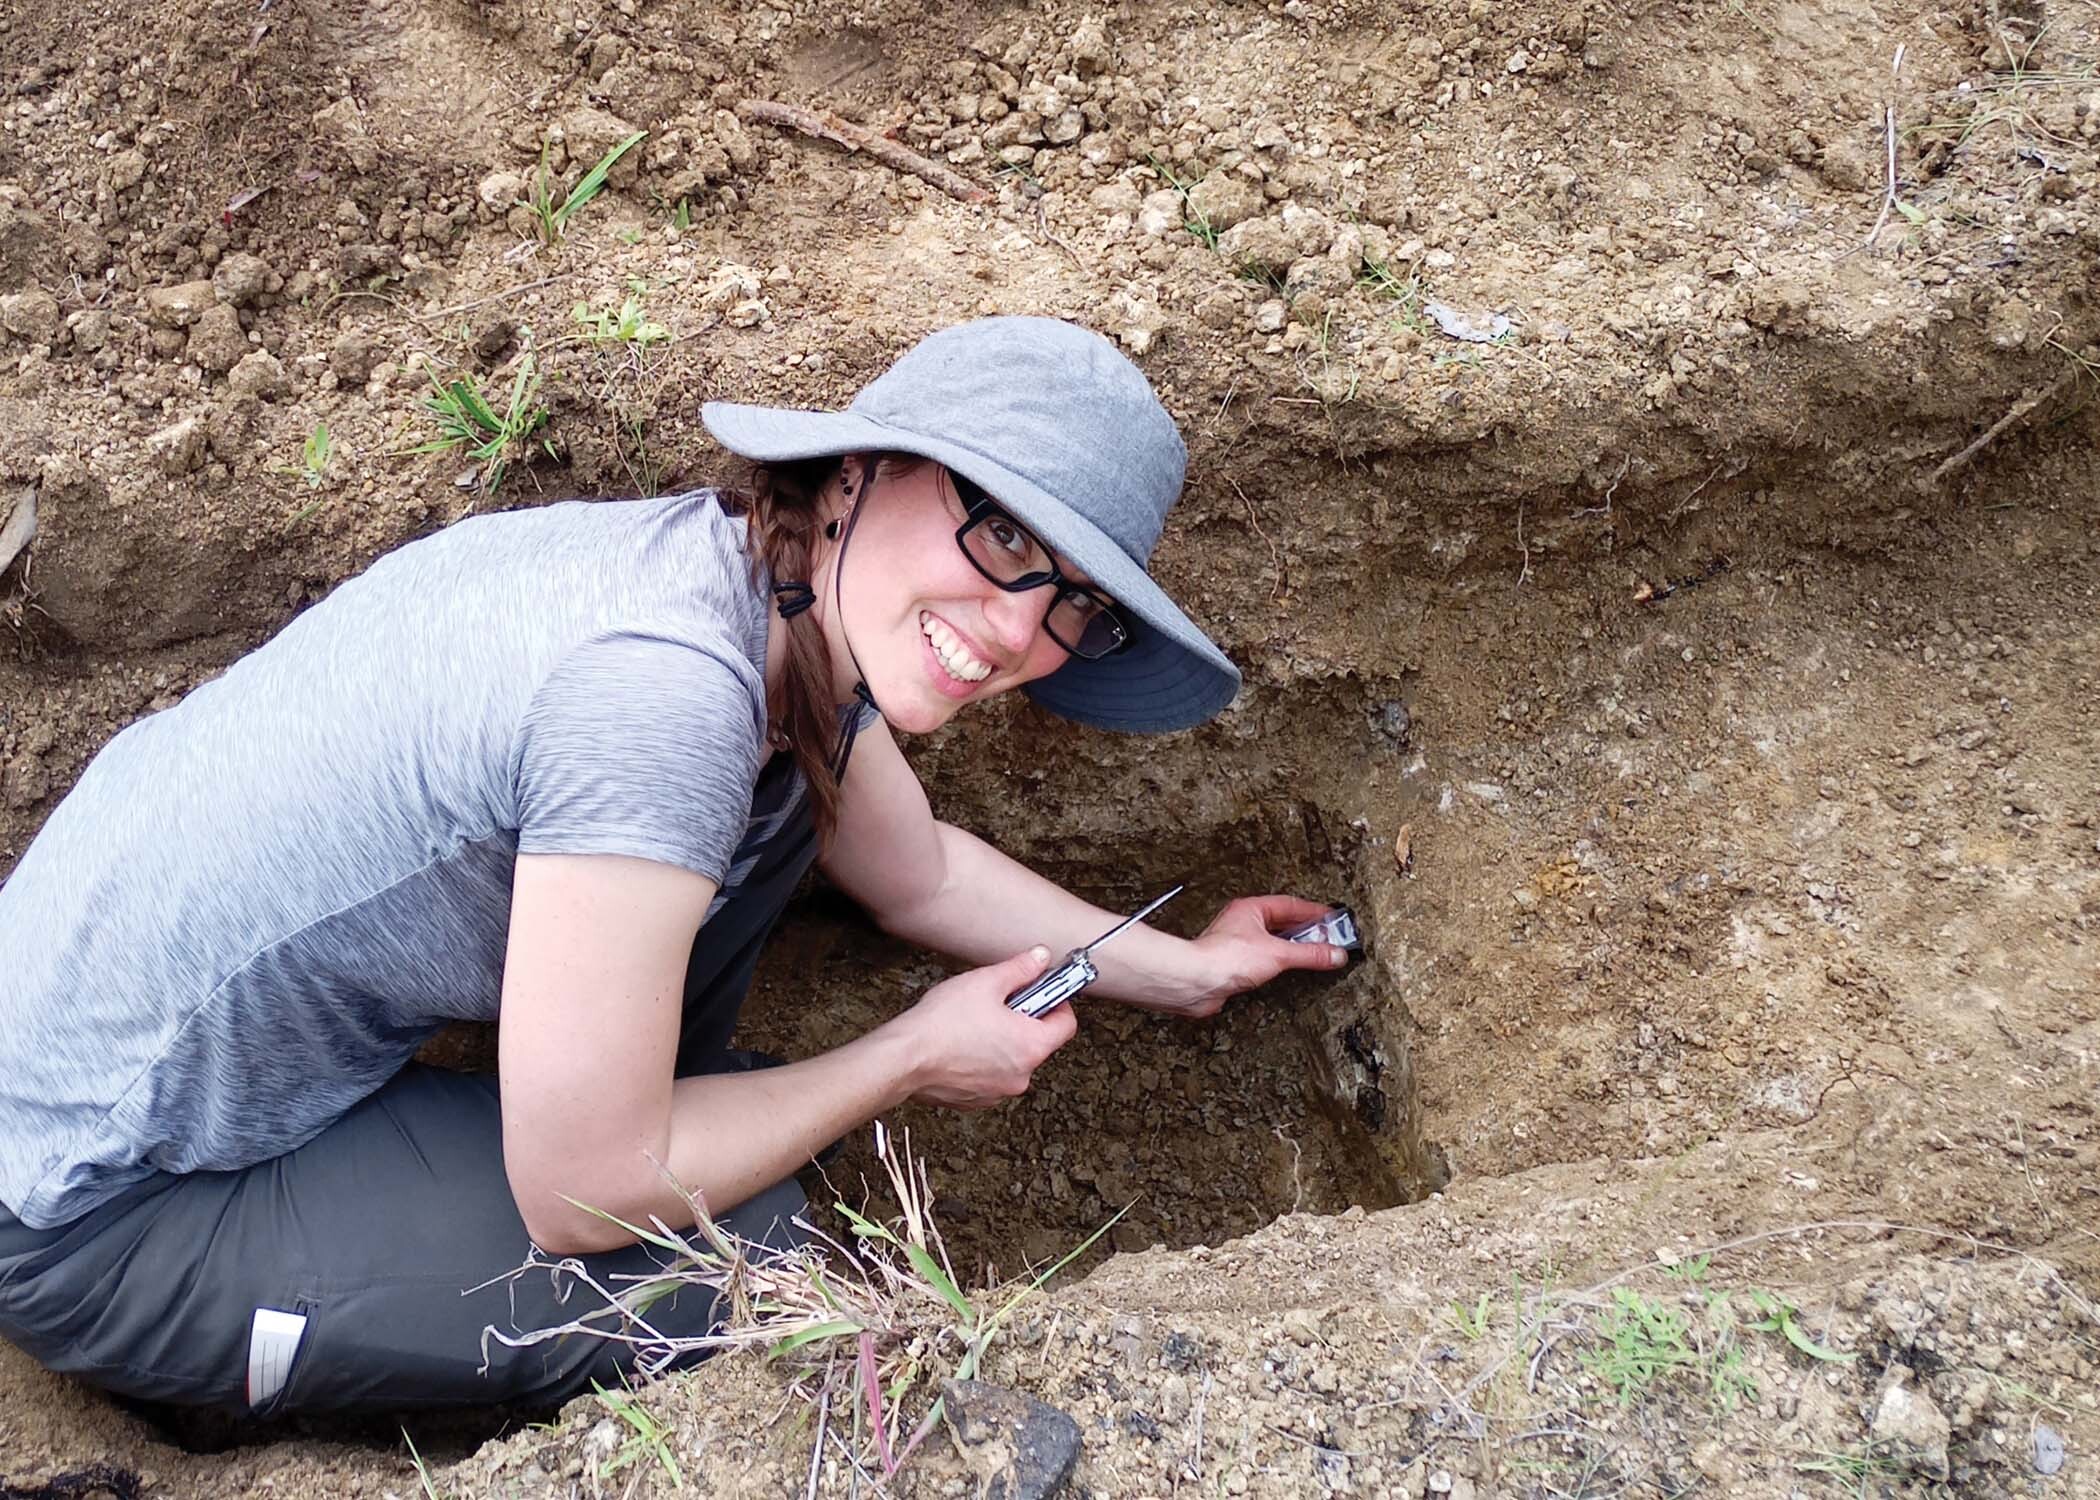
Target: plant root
(2015, 414)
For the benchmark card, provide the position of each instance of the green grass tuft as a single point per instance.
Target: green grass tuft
(551, 219)
(1645, 1342)
(467, 422)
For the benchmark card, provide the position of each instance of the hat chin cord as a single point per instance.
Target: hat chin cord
(794, 596)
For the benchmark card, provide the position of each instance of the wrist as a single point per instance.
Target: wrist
(1168, 974)
(903, 1057)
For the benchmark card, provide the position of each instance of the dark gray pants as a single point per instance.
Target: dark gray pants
(373, 1231)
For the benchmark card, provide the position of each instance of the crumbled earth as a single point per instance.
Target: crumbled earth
(1658, 534)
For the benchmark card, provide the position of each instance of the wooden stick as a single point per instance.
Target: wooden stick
(826, 126)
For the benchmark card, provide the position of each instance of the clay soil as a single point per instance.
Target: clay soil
(1689, 680)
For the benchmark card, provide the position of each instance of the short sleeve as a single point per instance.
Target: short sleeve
(642, 746)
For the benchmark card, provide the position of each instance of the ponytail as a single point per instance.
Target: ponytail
(780, 503)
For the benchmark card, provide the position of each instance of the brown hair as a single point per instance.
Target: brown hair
(781, 503)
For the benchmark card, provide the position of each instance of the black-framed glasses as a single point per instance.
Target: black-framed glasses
(1083, 621)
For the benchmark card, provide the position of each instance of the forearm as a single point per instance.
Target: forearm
(988, 905)
(730, 1136)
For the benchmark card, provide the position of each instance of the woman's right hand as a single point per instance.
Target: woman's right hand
(972, 1051)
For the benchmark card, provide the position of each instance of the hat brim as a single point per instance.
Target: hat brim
(1169, 677)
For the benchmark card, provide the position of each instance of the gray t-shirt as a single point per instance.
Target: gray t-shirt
(256, 905)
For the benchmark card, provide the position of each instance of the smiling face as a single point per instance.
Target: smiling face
(930, 631)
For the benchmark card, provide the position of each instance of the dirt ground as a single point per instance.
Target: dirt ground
(1714, 632)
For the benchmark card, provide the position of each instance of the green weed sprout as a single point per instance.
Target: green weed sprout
(1729, 1380)
(1197, 224)
(627, 326)
(631, 443)
(551, 219)
(1380, 278)
(1856, 1467)
(313, 455)
(312, 467)
(1472, 1322)
(466, 421)
(1779, 1317)
(647, 1437)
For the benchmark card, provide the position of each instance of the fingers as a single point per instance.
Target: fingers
(1313, 956)
(1008, 976)
(1046, 1032)
(1287, 911)
(1062, 1025)
(1022, 967)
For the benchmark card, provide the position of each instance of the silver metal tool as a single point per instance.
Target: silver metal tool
(1060, 984)
(1337, 927)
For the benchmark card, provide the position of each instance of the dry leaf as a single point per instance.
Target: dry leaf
(1404, 848)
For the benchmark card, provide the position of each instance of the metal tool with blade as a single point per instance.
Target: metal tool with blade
(1077, 971)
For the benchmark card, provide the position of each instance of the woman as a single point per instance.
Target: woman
(565, 766)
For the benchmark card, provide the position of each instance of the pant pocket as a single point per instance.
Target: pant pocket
(280, 1353)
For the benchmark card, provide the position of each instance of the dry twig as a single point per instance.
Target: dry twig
(1685, 504)
(816, 1454)
(1888, 120)
(460, 307)
(1193, 1467)
(826, 126)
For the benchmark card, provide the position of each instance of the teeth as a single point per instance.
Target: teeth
(954, 655)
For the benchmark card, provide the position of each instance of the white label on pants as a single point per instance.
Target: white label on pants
(273, 1342)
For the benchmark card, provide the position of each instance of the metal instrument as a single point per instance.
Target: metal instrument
(1059, 984)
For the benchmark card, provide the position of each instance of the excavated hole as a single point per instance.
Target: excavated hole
(1295, 1099)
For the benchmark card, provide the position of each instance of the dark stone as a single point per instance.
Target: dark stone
(1394, 722)
(1021, 1448)
(94, 1482)
(496, 336)
(363, 262)
(1180, 1353)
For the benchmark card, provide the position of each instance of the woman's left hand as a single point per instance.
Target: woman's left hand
(1240, 951)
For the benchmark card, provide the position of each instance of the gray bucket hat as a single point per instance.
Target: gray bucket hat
(1063, 431)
